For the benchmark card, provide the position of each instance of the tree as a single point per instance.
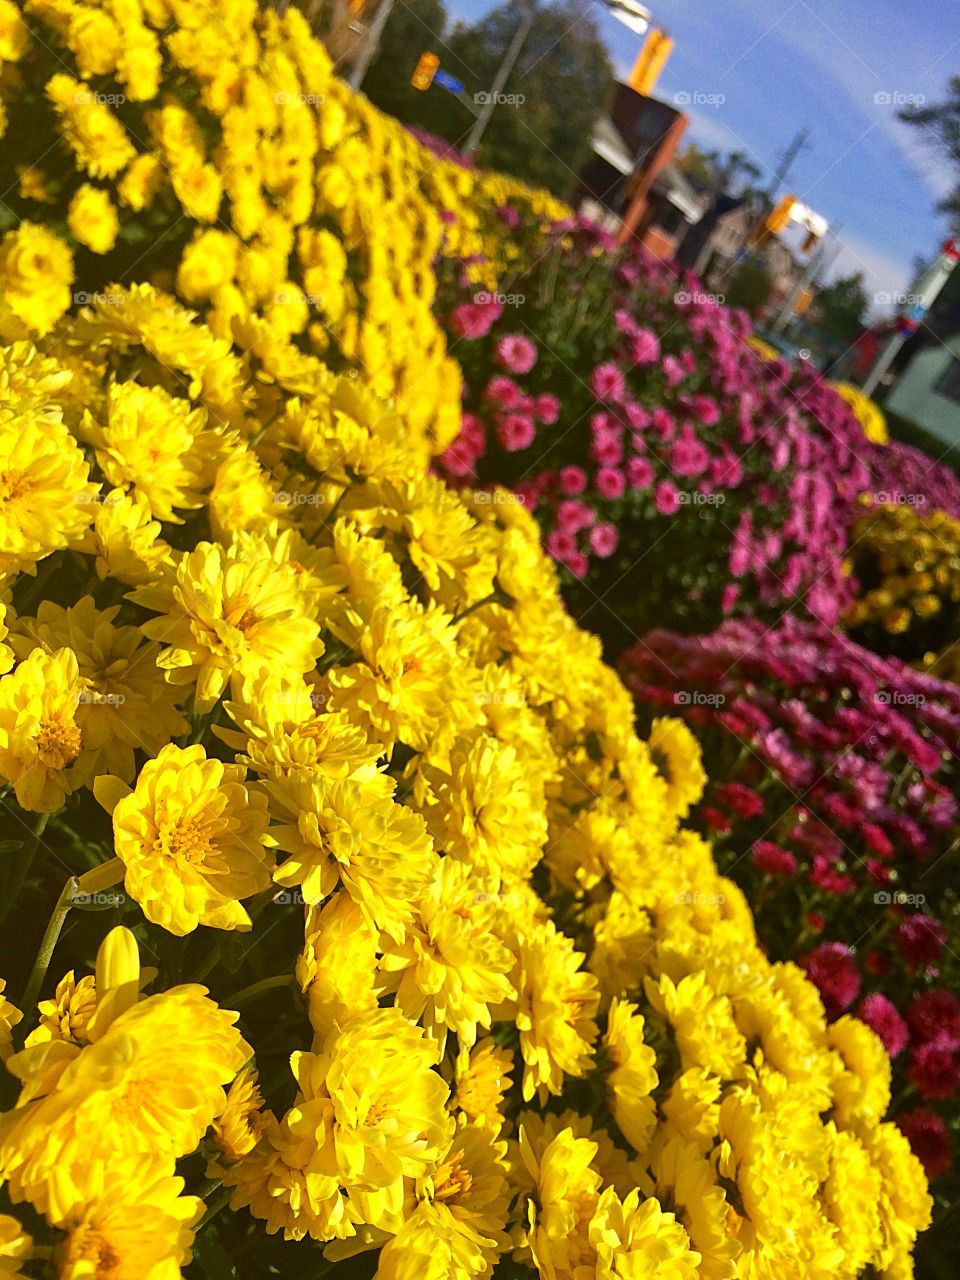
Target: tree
(414, 27)
(941, 120)
(842, 308)
(733, 173)
(750, 288)
(560, 85)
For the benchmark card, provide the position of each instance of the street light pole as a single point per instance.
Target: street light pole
(814, 265)
(496, 89)
(371, 45)
(928, 287)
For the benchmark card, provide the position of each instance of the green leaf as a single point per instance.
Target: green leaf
(213, 1258)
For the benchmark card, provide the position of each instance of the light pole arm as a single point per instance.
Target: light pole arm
(506, 66)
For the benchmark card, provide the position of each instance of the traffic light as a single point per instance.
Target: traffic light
(777, 221)
(810, 243)
(651, 60)
(425, 70)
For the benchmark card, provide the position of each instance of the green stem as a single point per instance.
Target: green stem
(22, 870)
(52, 933)
(220, 1201)
(257, 989)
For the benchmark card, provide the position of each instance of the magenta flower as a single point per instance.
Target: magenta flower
(603, 540)
(771, 860)
(611, 483)
(516, 353)
(573, 516)
(640, 473)
(919, 939)
(929, 1140)
(673, 371)
(504, 393)
(666, 498)
(880, 1014)
(935, 1068)
(546, 408)
(573, 480)
(644, 347)
(473, 320)
(607, 383)
(561, 544)
(607, 450)
(516, 431)
(833, 971)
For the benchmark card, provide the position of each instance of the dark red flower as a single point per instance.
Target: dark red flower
(744, 801)
(929, 1140)
(919, 939)
(935, 1067)
(833, 971)
(879, 1013)
(935, 1012)
(771, 860)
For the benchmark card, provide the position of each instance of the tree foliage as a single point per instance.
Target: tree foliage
(941, 120)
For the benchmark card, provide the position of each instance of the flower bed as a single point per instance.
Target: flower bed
(634, 418)
(833, 804)
(357, 929)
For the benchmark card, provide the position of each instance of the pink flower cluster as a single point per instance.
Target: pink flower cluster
(837, 769)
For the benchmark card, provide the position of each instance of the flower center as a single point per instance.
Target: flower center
(186, 841)
(13, 485)
(375, 1115)
(89, 1247)
(58, 743)
(239, 614)
(453, 1181)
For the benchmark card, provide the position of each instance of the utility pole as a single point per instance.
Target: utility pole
(927, 288)
(496, 89)
(786, 162)
(371, 44)
(817, 261)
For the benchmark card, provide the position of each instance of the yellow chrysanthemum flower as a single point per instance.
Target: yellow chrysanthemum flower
(46, 500)
(36, 272)
(150, 1084)
(15, 1248)
(238, 1127)
(636, 1238)
(555, 1005)
(634, 1075)
(92, 219)
(337, 967)
(450, 967)
(40, 739)
(192, 839)
(131, 1221)
(482, 1076)
(670, 739)
(10, 1015)
(230, 611)
(123, 701)
(559, 1205)
(67, 1016)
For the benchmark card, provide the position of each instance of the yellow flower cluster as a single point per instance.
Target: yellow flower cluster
(279, 680)
(915, 557)
(210, 150)
(866, 411)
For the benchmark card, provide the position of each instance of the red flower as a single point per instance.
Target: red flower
(717, 820)
(879, 1013)
(919, 939)
(833, 971)
(934, 1013)
(771, 860)
(935, 1067)
(877, 839)
(928, 1138)
(744, 801)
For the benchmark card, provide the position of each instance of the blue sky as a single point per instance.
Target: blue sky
(757, 70)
